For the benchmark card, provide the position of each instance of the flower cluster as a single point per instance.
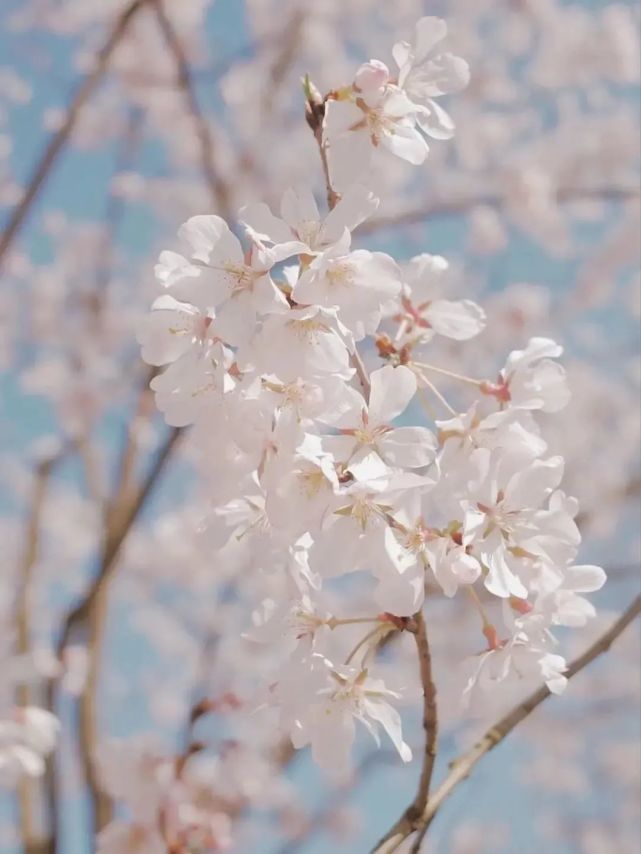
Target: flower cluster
(321, 468)
(394, 114)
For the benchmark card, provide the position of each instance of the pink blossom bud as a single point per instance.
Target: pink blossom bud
(371, 75)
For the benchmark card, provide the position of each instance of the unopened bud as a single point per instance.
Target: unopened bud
(371, 75)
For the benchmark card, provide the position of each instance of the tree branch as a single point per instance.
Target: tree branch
(31, 836)
(495, 199)
(59, 139)
(460, 768)
(430, 715)
(91, 611)
(115, 538)
(414, 811)
(219, 189)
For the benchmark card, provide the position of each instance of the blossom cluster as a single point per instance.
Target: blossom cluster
(323, 468)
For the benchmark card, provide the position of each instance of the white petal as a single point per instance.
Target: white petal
(408, 447)
(406, 143)
(356, 205)
(585, 578)
(263, 224)
(391, 391)
(209, 237)
(172, 267)
(428, 33)
(442, 75)
(529, 488)
(390, 720)
(459, 320)
(500, 580)
(401, 53)
(298, 207)
(158, 345)
(435, 121)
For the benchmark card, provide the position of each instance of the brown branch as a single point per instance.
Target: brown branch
(126, 464)
(27, 791)
(90, 612)
(430, 716)
(115, 538)
(430, 725)
(460, 768)
(125, 507)
(288, 46)
(59, 139)
(465, 203)
(314, 115)
(115, 210)
(219, 189)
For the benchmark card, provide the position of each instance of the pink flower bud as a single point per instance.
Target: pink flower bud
(371, 75)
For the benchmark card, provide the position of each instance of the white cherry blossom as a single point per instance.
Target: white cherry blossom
(359, 284)
(501, 513)
(219, 274)
(531, 379)
(305, 342)
(362, 121)
(346, 695)
(425, 76)
(422, 315)
(301, 227)
(367, 427)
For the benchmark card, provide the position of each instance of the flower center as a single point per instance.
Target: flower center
(340, 273)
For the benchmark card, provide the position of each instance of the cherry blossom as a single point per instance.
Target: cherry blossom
(377, 111)
(367, 427)
(424, 77)
(371, 439)
(346, 695)
(319, 480)
(358, 284)
(301, 228)
(424, 316)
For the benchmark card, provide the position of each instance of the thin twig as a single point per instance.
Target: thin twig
(115, 539)
(314, 116)
(461, 767)
(465, 203)
(288, 46)
(219, 189)
(314, 113)
(115, 207)
(90, 613)
(60, 138)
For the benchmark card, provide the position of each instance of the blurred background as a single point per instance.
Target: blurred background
(118, 120)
